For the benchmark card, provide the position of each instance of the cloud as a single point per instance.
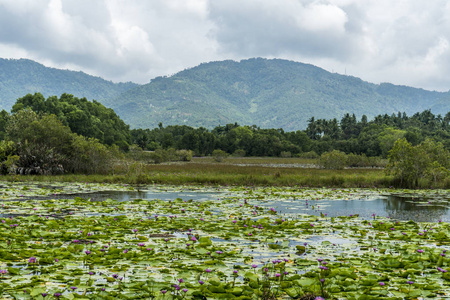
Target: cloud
(403, 42)
(266, 28)
(398, 41)
(119, 40)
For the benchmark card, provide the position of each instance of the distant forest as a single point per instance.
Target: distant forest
(374, 137)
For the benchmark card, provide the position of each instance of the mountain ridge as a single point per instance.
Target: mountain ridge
(270, 93)
(19, 77)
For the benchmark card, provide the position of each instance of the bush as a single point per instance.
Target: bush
(219, 155)
(428, 161)
(184, 155)
(285, 154)
(239, 153)
(309, 155)
(335, 160)
(160, 155)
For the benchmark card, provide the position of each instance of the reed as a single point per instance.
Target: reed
(246, 172)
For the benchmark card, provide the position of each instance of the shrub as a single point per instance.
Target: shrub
(285, 154)
(310, 155)
(335, 160)
(239, 153)
(219, 155)
(426, 161)
(184, 155)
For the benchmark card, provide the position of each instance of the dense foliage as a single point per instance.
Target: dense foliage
(41, 144)
(21, 76)
(411, 163)
(83, 117)
(68, 134)
(371, 138)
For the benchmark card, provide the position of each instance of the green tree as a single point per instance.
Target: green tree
(4, 116)
(401, 162)
(89, 156)
(219, 155)
(89, 119)
(349, 126)
(387, 138)
(409, 164)
(312, 130)
(34, 102)
(7, 156)
(335, 160)
(43, 144)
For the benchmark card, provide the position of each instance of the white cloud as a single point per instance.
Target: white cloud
(323, 17)
(404, 42)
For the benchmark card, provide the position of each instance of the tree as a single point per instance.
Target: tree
(349, 126)
(4, 116)
(335, 160)
(89, 119)
(43, 143)
(401, 162)
(312, 129)
(387, 138)
(7, 157)
(409, 164)
(35, 102)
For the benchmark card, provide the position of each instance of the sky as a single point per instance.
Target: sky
(405, 42)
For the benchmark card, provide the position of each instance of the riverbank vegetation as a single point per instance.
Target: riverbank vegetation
(67, 135)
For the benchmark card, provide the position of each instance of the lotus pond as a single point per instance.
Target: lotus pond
(98, 241)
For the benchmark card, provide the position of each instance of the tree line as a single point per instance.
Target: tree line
(349, 135)
(70, 134)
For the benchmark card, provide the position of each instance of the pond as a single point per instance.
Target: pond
(419, 208)
(101, 241)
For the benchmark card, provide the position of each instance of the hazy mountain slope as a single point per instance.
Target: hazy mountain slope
(23, 76)
(269, 93)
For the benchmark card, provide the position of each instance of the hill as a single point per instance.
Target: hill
(19, 77)
(271, 93)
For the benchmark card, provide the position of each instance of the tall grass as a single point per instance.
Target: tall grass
(227, 174)
(236, 171)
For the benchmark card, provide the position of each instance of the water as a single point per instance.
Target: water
(400, 207)
(396, 207)
(133, 195)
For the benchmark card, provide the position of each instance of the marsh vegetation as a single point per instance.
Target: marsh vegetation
(238, 242)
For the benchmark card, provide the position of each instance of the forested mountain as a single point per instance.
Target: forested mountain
(19, 77)
(268, 93)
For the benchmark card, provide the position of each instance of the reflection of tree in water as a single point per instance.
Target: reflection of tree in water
(417, 209)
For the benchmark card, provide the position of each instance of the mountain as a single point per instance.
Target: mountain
(270, 93)
(19, 77)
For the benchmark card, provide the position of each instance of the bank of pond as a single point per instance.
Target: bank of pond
(118, 241)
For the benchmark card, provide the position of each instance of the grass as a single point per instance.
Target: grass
(258, 160)
(234, 171)
(237, 171)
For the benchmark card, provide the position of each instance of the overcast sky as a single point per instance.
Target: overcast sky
(400, 41)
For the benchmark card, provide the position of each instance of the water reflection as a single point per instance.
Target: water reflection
(418, 209)
(401, 206)
(146, 195)
(396, 207)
